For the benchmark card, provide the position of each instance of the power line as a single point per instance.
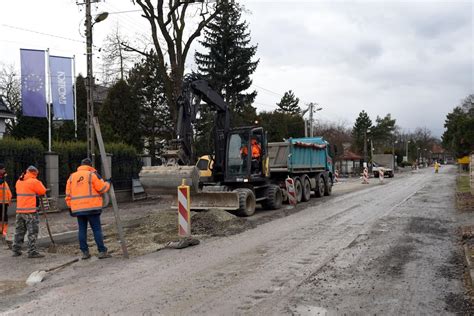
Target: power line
(42, 33)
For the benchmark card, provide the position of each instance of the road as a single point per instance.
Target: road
(387, 249)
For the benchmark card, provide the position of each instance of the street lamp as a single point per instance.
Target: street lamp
(367, 131)
(393, 154)
(407, 148)
(90, 78)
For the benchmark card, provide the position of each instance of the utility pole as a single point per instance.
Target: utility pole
(311, 107)
(365, 146)
(90, 85)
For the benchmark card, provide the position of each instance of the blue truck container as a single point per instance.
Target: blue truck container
(307, 161)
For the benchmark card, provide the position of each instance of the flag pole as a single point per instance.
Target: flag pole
(48, 99)
(75, 91)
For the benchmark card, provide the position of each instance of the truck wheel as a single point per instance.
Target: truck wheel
(306, 196)
(298, 189)
(320, 187)
(246, 202)
(328, 186)
(274, 198)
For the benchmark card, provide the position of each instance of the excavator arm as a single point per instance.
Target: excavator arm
(189, 105)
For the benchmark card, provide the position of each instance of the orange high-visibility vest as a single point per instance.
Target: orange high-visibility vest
(5, 193)
(26, 192)
(84, 190)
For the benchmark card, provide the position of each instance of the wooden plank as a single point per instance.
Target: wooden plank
(105, 164)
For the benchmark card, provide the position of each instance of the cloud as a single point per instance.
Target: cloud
(411, 59)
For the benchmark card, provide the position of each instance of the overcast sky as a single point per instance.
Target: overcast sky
(413, 59)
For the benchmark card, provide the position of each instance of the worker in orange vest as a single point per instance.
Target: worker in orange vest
(256, 149)
(84, 190)
(28, 188)
(5, 200)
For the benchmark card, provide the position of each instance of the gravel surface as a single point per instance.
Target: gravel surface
(387, 249)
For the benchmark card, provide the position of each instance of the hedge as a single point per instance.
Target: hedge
(18, 154)
(126, 162)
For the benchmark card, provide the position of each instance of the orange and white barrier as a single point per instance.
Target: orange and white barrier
(381, 175)
(290, 188)
(365, 176)
(184, 213)
(336, 176)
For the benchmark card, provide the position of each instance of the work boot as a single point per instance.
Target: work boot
(104, 255)
(16, 253)
(35, 255)
(9, 244)
(86, 255)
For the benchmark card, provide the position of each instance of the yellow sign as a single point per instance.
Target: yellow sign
(464, 160)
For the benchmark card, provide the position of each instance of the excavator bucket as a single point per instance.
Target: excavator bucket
(164, 180)
(228, 201)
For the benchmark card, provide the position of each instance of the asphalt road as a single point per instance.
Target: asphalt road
(387, 249)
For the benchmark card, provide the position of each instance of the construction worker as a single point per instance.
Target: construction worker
(28, 188)
(436, 166)
(256, 149)
(84, 190)
(5, 200)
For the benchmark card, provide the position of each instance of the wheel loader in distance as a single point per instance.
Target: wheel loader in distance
(238, 181)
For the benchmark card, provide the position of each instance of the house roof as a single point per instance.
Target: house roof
(5, 112)
(437, 149)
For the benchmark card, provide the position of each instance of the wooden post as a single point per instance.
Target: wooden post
(107, 175)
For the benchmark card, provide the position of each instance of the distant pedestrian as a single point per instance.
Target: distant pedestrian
(28, 188)
(84, 190)
(5, 200)
(436, 166)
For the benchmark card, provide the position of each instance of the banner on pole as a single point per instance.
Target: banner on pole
(33, 78)
(62, 87)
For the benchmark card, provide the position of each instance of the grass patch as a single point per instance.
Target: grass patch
(462, 184)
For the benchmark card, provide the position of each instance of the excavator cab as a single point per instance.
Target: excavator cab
(246, 155)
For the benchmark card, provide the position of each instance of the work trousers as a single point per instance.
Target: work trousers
(94, 221)
(26, 223)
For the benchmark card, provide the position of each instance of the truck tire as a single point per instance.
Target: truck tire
(274, 198)
(246, 202)
(328, 186)
(306, 196)
(298, 189)
(320, 187)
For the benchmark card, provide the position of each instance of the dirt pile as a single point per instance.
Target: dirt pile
(152, 232)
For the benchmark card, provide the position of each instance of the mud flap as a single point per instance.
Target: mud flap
(228, 201)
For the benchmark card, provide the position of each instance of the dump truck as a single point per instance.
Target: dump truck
(384, 161)
(307, 161)
(238, 178)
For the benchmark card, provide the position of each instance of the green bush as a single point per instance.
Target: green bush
(126, 162)
(18, 154)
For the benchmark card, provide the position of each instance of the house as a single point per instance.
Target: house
(5, 114)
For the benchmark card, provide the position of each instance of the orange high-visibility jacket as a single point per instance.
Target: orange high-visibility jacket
(256, 150)
(5, 193)
(84, 190)
(26, 192)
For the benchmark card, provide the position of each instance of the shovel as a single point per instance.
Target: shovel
(52, 247)
(38, 276)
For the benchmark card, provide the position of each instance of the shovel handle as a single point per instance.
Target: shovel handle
(46, 220)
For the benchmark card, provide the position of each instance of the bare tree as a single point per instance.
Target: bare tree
(172, 40)
(116, 59)
(10, 91)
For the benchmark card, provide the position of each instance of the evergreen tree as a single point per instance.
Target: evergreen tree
(155, 119)
(458, 136)
(227, 64)
(362, 124)
(119, 116)
(281, 125)
(289, 103)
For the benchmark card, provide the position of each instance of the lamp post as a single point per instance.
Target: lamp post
(409, 141)
(393, 154)
(366, 131)
(90, 79)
